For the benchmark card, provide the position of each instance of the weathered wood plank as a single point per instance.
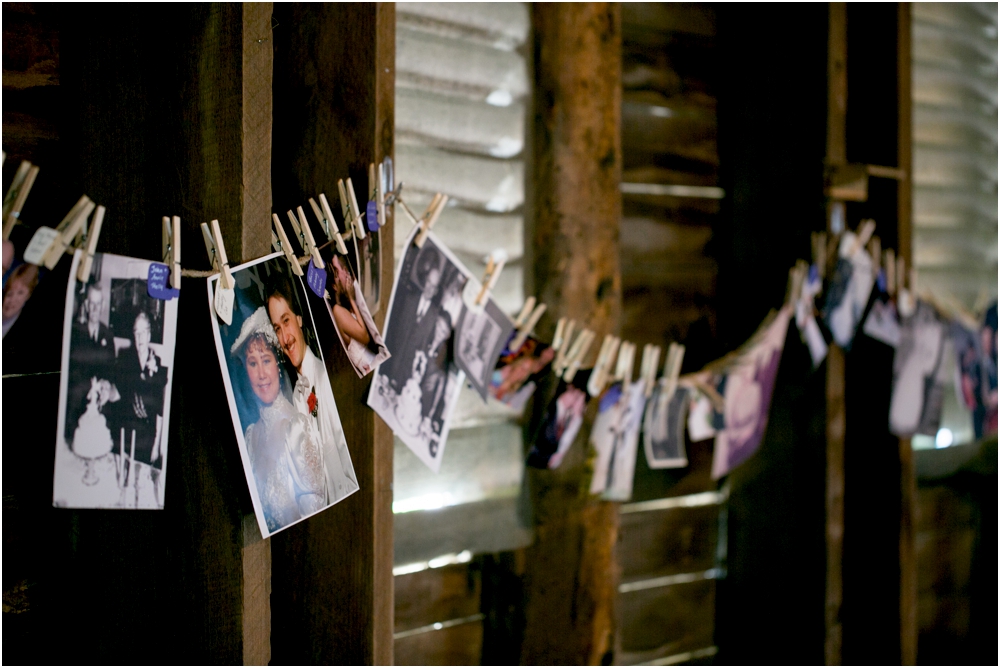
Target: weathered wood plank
(333, 588)
(436, 595)
(571, 573)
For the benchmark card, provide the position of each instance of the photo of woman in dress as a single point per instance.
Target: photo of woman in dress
(349, 311)
(284, 453)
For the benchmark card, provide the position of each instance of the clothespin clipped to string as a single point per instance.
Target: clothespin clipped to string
(374, 216)
(428, 218)
(875, 251)
(67, 230)
(650, 362)
(224, 292)
(864, 233)
(599, 375)
(889, 260)
(626, 360)
(819, 253)
(281, 243)
(172, 249)
(796, 278)
(301, 227)
(87, 261)
(475, 294)
(576, 354)
(672, 370)
(560, 343)
(525, 323)
(329, 224)
(17, 195)
(349, 207)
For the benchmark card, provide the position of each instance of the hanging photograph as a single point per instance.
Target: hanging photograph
(416, 389)
(849, 290)
(919, 373)
(615, 438)
(479, 340)
(560, 424)
(287, 425)
(515, 376)
(348, 308)
(663, 427)
(368, 257)
(114, 392)
(747, 386)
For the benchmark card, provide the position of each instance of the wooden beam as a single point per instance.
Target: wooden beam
(334, 90)
(158, 124)
(908, 476)
(836, 416)
(571, 580)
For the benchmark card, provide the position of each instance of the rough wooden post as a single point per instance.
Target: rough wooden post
(571, 579)
(836, 415)
(171, 116)
(908, 474)
(334, 93)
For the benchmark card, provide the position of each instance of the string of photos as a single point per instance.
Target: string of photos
(443, 329)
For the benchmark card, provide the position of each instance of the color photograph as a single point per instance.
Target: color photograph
(291, 440)
(348, 309)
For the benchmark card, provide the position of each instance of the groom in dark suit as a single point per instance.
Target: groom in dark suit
(414, 317)
(91, 353)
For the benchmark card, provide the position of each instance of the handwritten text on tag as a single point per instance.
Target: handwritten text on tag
(224, 303)
(316, 278)
(158, 282)
(39, 245)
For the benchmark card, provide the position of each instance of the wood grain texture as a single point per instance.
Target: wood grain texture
(155, 128)
(571, 574)
(333, 115)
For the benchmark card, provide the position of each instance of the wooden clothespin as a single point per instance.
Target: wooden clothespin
(16, 196)
(172, 249)
(301, 227)
(282, 243)
(875, 250)
(494, 265)
(819, 253)
(526, 322)
(650, 362)
(626, 360)
(68, 229)
(796, 278)
(599, 375)
(87, 261)
(864, 234)
(576, 354)
(429, 217)
(329, 224)
(376, 191)
(889, 260)
(672, 369)
(349, 207)
(561, 344)
(217, 253)
(311, 247)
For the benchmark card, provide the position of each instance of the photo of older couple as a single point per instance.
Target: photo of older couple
(114, 393)
(291, 440)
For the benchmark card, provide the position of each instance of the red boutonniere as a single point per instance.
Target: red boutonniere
(313, 402)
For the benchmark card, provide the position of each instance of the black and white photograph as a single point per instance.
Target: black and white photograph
(114, 392)
(919, 374)
(479, 341)
(287, 425)
(416, 389)
(663, 427)
(348, 309)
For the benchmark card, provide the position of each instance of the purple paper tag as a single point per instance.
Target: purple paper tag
(158, 282)
(371, 215)
(316, 278)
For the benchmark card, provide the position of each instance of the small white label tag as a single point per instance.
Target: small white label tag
(224, 303)
(469, 294)
(39, 245)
